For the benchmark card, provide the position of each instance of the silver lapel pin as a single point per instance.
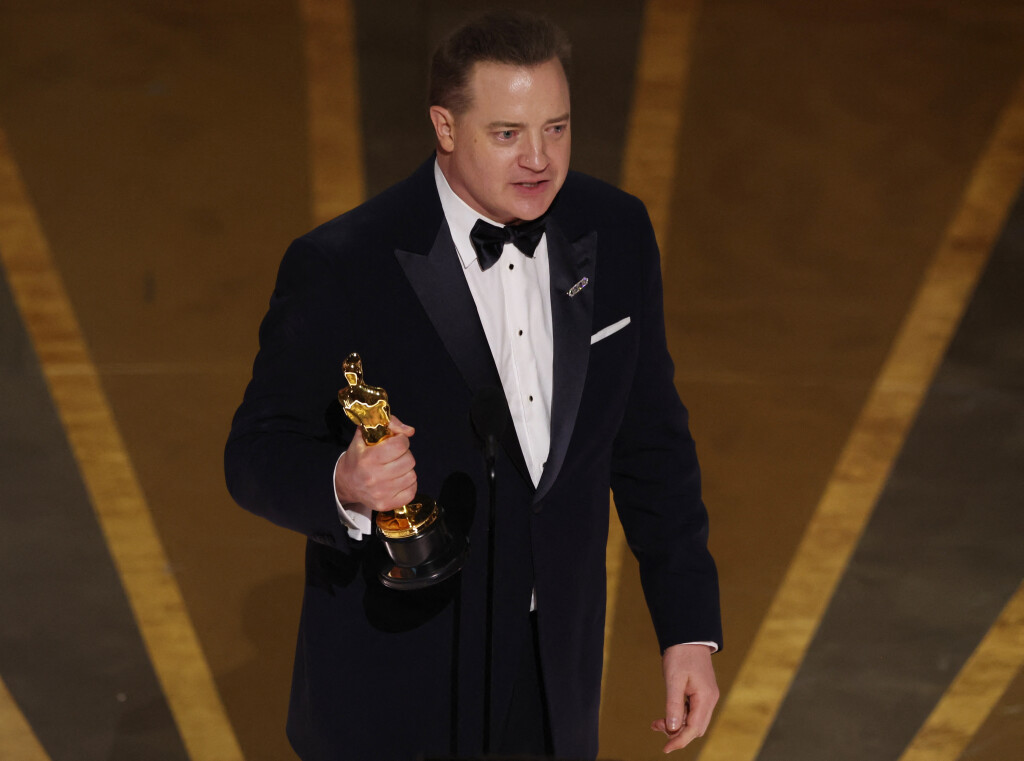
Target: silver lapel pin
(578, 287)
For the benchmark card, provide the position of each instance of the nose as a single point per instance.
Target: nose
(534, 154)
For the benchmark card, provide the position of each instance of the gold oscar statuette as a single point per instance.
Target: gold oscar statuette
(421, 549)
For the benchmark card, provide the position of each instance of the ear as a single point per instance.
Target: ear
(444, 127)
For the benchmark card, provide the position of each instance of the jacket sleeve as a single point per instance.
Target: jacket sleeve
(284, 442)
(656, 482)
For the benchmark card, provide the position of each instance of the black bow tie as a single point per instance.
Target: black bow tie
(489, 241)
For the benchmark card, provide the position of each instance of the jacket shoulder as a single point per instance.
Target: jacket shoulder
(405, 215)
(587, 203)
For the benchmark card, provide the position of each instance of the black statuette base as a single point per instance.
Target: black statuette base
(422, 560)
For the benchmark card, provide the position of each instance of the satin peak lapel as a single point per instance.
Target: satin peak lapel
(441, 287)
(571, 321)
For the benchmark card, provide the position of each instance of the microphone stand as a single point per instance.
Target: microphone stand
(453, 739)
(492, 488)
(489, 415)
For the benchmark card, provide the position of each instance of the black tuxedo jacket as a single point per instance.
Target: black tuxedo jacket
(380, 673)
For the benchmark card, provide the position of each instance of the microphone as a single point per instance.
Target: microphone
(490, 417)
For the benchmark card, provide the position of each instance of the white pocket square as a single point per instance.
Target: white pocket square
(605, 332)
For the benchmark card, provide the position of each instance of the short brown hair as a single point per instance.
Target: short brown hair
(508, 37)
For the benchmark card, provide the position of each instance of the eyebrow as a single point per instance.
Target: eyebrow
(519, 125)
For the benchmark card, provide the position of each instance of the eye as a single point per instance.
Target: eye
(559, 129)
(506, 134)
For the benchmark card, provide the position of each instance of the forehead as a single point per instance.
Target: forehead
(500, 86)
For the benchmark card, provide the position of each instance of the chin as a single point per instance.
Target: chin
(532, 210)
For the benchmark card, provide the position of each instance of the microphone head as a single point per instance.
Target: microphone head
(489, 413)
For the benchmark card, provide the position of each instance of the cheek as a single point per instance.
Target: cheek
(485, 161)
(564, 149)
(498, 168)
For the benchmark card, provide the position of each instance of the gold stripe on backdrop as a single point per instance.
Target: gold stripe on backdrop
(863, 467)
(332, 81)
(16, 735)
(109, 477)
(975, 691)
(648, 169)
(649, 166)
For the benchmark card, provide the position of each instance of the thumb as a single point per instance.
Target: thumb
(675, 703)
(397, 426)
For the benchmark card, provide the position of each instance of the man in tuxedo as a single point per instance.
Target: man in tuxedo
(492, 265)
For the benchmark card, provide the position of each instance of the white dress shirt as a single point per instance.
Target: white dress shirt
(513, 300)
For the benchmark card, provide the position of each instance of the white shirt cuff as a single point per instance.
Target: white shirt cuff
(356, 518)
(712, 645)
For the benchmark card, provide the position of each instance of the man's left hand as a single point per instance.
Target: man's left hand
(690, 694)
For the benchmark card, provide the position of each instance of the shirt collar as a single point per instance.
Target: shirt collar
(460, 217)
